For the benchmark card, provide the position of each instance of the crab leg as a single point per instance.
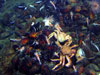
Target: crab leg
(55, 59)
(68, 43)
(73, 46)
(63, 63)
(47, 39)
(59, 63)
(73, 53)
(75, 69)
(51, 35)
(59, 68)
(58, 44)
(69, 61)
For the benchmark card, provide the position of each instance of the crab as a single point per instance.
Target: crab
(67, 52)
(60, 36)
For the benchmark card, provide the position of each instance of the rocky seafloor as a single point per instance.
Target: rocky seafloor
(23, 25)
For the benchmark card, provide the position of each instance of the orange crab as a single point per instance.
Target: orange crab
(67, 52)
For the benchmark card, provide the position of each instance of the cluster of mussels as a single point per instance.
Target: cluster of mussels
(33, 25)
(33, 52)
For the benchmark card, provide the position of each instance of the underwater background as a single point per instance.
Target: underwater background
(49, 37)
